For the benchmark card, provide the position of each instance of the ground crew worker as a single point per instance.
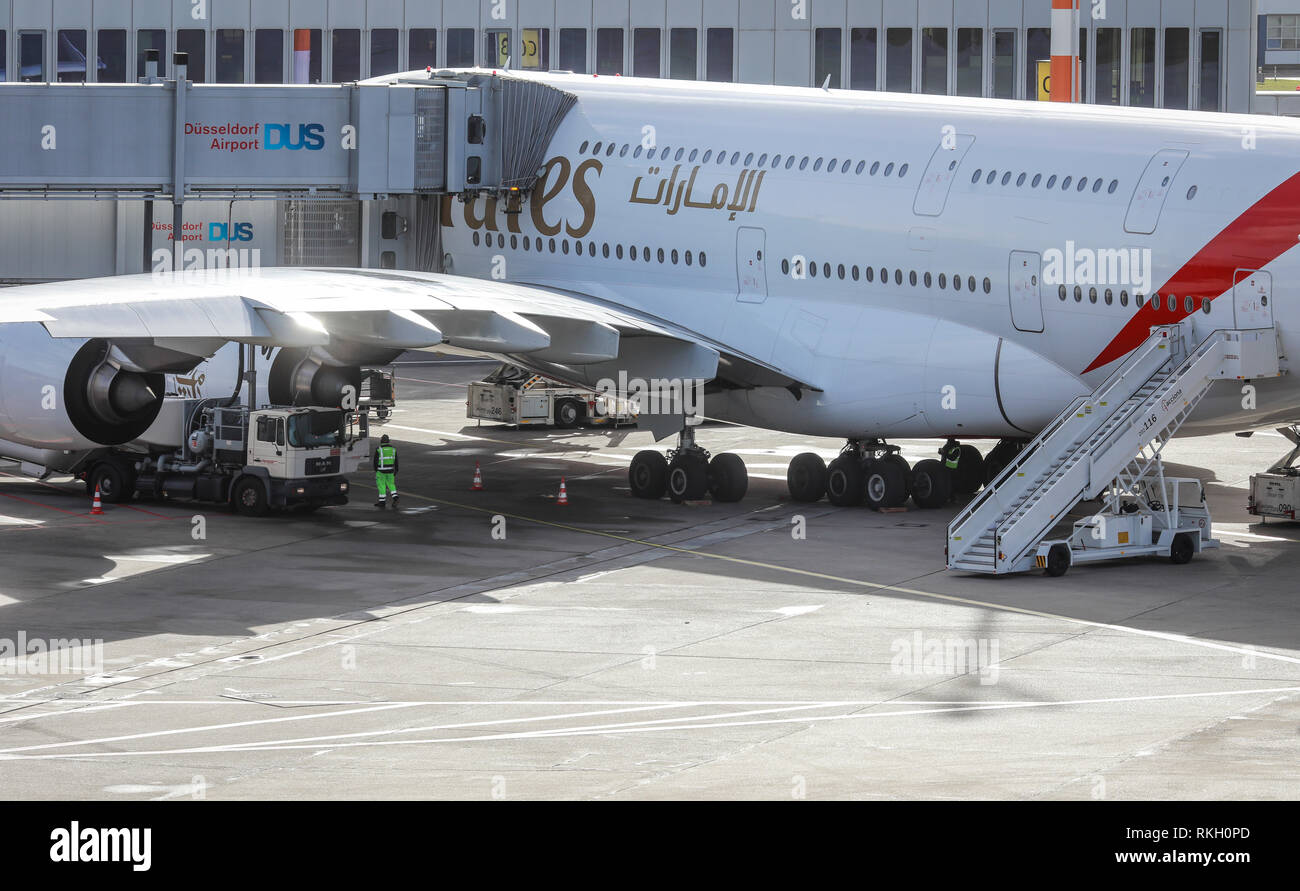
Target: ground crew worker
(951, 453)
(384, 460)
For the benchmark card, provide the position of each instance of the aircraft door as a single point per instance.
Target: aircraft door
(751, 265)
(1152, 189)
(1025, 276)
(1252, 299)
(936, 182)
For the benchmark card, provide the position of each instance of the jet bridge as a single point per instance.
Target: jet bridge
(432, 133)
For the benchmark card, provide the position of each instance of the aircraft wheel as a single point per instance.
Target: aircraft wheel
(931, 484)
(885, 486)
(688, 478)
(969, 475)
(648, 475)
(844, 479)
(1181, 549)
(728, 478)
(1058, 560)
(901, 462)
(806, 477)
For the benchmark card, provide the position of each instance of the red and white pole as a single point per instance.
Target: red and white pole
(1065, 51)
(301, 55)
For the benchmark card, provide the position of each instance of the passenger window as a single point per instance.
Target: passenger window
(943, 281)
(1062, 292)
(1020, 180)
(902, 171)
(898, 276)
(708, 156)
(861, 166)
(789, 162)
(911, 278)
(817, 165)
(988, 285)
(975, 177)
(1114, 184)
(1038, 178)
(1065, 184)
(1083, 184)
(1092, 295)
(749, 159)
(804, 163)
(870, 272)
(1006, 177)
(993, 174)
(889, 168)
(874, 168)
(1051, 181)
(1078, 294)
(1123, 298)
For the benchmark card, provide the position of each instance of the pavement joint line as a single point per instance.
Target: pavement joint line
(874, 586)
(638, 727)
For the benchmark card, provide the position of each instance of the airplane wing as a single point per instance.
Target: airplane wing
(170, 322)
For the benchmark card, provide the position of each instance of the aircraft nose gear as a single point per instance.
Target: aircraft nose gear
(688, 473)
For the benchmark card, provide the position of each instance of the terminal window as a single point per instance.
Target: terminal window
(535, 49)
(645, 52)
(31, 56)
(147, 39)
(1142, 68)
(422, 48)
(193, 42)
(720, 54)
(496, 49)
(1038, 48)
(72, 57)
(1211, 98)
(313, 60)
(1107, 68)
(3, 44)
(609, 50)
(826, 56)
(460, 47)
(862, 58)
(1282, 32)
(110, 56)
(898, 60)
(1177, 67)
(268, 56)
(934, 61)
(969, 79)
(383, 51)
(346, 51)
(229, 55)
(1004, 64)
(573, 50)
(682, 49)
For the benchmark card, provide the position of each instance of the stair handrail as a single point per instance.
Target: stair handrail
(1159, 334)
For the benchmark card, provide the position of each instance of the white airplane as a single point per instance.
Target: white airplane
(849, 264)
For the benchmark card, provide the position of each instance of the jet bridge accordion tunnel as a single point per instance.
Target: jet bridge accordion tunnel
(424, 133)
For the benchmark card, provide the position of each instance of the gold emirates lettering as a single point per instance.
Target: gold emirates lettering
(744, 194)
(556, 176)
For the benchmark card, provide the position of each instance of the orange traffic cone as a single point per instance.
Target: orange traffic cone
(97, 508)
(478, 479)
(564, 493)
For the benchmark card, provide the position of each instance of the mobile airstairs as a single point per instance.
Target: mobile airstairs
(1110, 442)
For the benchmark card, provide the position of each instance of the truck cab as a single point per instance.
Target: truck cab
(298, 456)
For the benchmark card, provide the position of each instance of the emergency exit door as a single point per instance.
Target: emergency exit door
(1252, 299)
(751, 265)
(1024, 277)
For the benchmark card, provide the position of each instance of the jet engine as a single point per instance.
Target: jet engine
(320, 376)
(72, 394)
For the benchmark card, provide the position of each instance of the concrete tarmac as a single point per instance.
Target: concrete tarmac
(496, 644)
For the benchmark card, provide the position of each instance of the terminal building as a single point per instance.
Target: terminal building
(1181, 54)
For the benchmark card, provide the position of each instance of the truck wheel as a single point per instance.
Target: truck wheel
(806, 477)
(728, 478)
(1181, 549)
(648, 475)
(844, 482)
(931, 484)
(885, 486)
(250, 498)
(567, 414)
(1058, 560)
(116, 483)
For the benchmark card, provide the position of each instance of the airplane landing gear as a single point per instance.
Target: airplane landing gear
(866, 470)
(688, 473)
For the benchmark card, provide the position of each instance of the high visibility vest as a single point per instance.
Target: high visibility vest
(951, 457)
(387, 457)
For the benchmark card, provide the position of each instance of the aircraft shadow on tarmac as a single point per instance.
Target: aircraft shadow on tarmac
(345, 563)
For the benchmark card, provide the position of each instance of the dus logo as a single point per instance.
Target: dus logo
(310, 137)
(230, 231)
